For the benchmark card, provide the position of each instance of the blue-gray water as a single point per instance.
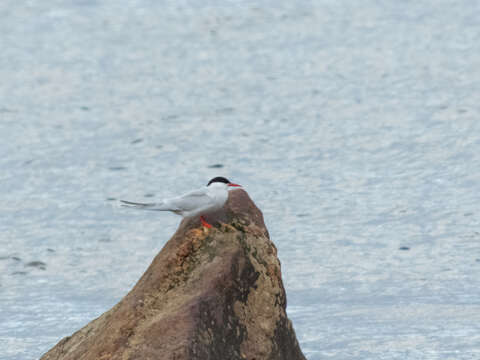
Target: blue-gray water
(354, 125)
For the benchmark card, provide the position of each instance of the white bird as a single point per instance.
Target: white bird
(197, 202)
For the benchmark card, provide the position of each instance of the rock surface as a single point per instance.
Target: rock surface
(209, 294)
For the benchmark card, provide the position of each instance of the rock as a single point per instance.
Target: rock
(209, 294)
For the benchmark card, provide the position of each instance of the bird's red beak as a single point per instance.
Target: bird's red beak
(232, 184)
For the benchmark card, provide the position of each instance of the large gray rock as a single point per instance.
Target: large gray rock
(209, 294)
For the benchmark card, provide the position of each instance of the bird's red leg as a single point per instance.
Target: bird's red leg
(204, 223)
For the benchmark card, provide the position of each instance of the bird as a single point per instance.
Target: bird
(198, 202)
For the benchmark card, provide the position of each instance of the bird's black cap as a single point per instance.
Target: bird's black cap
(219, 179)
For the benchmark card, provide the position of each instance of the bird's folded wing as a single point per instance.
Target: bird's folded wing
(192, 200)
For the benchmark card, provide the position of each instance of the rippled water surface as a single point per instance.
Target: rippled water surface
(353, 125)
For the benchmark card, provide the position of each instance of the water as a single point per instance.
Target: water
(353, 125)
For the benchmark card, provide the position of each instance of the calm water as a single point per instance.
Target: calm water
(353, 125)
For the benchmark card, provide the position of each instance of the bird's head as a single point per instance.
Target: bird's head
(221, 181)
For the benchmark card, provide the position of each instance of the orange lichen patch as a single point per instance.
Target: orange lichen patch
(194, 239)
(183, 251)
(196, 233)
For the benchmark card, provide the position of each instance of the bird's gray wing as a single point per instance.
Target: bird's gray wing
(192, 200)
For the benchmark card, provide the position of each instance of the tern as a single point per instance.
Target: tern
(194, 203)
